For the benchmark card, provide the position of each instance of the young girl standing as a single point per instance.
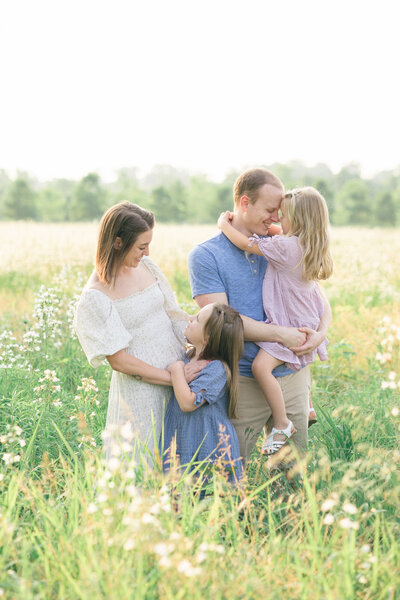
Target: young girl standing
(197, 417)
(291, 294)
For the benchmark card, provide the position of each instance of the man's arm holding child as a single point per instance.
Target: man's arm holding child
(257, 331)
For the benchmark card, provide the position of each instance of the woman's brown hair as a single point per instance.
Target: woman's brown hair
(224, 330)
(125, 221)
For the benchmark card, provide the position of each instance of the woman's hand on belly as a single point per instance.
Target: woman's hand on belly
(125, 363)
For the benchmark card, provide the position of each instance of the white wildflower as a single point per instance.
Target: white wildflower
(328, 504)
(347, 523)
(328, 519)
(129, 544)
(162, 549)
(165, 562)
(350, 508)
(186, 568)
(113, 464)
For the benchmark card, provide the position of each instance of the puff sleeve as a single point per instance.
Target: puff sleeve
(99, 327)
(179, 319)
(210, 383)
(281, 251)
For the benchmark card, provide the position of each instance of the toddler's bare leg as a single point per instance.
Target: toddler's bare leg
(262, 368)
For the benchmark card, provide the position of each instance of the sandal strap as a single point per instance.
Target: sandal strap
(270, 445)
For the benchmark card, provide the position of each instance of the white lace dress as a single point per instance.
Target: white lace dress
(148, 325)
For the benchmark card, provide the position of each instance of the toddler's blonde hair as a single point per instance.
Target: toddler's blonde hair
(309, 221)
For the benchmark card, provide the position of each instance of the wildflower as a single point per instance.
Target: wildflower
(383, 358)
(391, 385)
(113, 464)
(328, 519)
(92, 508)
(186, 568)
(165, 562)
(129, 544)
(10, 458)
(350, 508)
(201, 557)
(347, 523)
(162, 549)
(328, 504)
(155, 509)
(88, 384)
(147, 519)
(395, 411)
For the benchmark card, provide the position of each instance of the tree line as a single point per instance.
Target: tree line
(176, 196)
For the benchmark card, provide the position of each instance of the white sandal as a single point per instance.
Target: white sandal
(270, 445)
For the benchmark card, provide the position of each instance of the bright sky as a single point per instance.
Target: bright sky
(206, 85)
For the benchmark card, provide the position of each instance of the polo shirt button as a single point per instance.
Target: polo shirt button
(255, 270)
(252, 261)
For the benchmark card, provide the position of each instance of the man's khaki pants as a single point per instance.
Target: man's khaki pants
(253, 411)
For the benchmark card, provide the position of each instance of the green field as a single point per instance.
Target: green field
(70, 528)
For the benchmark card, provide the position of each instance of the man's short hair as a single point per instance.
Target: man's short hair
(249, 182)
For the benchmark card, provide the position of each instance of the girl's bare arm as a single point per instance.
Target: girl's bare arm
(236, 237)
(183, 393)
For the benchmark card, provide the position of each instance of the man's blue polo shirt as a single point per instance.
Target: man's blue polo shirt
(217, 265)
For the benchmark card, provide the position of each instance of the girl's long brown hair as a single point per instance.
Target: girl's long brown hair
(309, 221)
(125, 221)
(224, 330)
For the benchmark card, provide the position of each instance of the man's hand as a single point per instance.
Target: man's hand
(313, 340)
(192, 369)
(225, 217)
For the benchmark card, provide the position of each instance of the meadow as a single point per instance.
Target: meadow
(72, 527)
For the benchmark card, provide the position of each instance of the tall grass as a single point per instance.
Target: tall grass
(73, 527)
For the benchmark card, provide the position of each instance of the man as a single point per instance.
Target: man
(221, 272)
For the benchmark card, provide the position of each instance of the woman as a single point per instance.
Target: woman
(128, 314)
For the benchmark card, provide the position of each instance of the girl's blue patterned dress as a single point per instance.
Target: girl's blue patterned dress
(207, 432)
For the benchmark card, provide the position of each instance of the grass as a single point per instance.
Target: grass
(72, 528)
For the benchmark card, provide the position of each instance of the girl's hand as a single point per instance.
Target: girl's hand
(225, 217)
(313, 340)
(192, 369)
(292, 337)
(177, 365)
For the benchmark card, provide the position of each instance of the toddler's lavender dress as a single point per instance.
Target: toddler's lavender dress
(288, 299)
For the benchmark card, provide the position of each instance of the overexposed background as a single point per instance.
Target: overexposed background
(97, 85)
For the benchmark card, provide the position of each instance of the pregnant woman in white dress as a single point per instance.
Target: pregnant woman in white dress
(128, 314)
